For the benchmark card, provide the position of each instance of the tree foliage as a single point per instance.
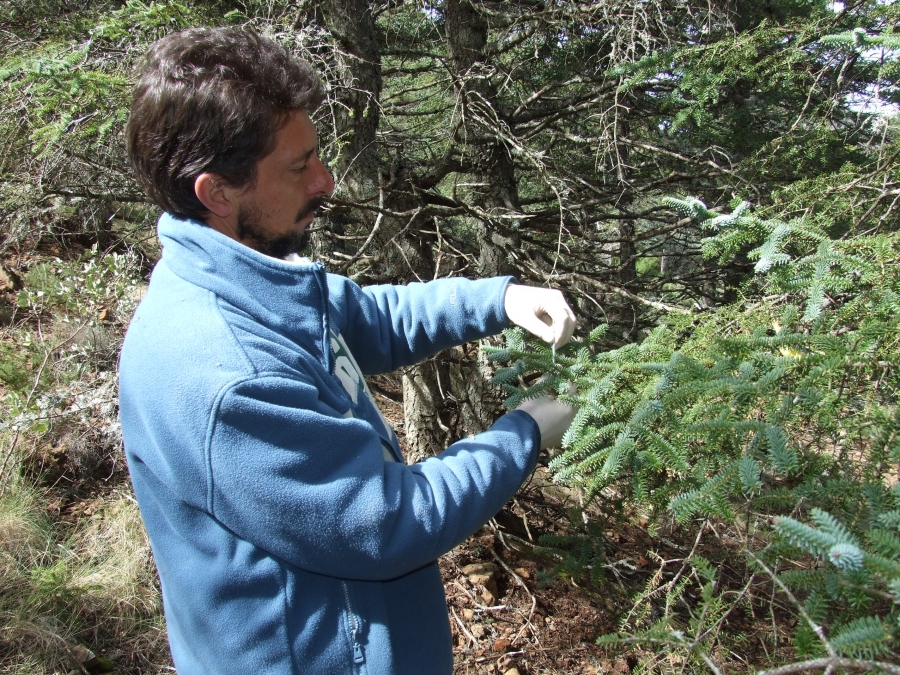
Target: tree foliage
(783, 402)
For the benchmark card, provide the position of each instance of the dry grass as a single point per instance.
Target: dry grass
(115, 573)
(67, 588)
(31, 638)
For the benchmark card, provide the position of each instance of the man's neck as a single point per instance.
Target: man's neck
(223, 225)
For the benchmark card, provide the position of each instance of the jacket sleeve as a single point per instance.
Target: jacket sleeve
(314, 490)
(388, 326)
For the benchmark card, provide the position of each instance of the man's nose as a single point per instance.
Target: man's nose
(322, 182)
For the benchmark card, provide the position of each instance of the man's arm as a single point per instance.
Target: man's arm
(313, 488)
(387, 327)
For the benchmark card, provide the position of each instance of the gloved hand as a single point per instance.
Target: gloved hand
(541, 311)
(553, 417)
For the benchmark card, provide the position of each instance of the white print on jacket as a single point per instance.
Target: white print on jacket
(345, 367)
(348, 372)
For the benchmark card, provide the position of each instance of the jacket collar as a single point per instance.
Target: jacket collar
(289, 297)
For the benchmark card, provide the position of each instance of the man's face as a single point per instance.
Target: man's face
(291, 184)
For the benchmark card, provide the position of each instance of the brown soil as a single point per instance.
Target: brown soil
(513, 620)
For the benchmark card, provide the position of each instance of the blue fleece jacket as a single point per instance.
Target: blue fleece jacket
(288, 534)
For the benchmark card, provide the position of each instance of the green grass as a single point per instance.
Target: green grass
(76, 572)
(63, 587)
(13, 372)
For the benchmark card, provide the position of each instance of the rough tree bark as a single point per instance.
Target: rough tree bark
(627, 248)
(494, 180)
(356, 111)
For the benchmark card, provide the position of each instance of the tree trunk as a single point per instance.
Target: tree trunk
(446, 398)
(627, 248)
(494, 189)
(363, 178)
(357, 112)
(421, 412)
(442, 400)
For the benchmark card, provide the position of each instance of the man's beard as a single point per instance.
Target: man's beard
(251, 233)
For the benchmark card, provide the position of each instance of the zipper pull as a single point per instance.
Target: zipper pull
(358, 656)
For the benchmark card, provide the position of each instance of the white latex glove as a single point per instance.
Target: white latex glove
(541, 311)
(553, 417)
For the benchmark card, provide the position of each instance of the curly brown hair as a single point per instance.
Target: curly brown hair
(211, 100)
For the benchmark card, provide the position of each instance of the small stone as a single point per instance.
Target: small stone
(512, 671)
(501, 645)
(478, 630)
(522, 572)
(480, 573)
(468, 614)
(90, 662)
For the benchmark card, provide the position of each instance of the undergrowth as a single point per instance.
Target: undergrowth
(78, 589)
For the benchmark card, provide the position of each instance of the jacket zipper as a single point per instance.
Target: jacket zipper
(320, 276)
(358, 656)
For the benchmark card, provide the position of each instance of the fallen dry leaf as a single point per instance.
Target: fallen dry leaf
(501, 645)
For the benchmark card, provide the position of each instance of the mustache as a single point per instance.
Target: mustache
(311, 208)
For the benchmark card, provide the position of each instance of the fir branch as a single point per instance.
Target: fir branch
(828, 664)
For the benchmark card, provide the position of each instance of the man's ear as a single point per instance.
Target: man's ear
(215, 194)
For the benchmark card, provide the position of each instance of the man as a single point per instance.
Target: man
(288, 533)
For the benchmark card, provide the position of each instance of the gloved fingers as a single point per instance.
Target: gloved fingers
(542, 312)
(562, 321)
(552, 416)
(536, 321)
